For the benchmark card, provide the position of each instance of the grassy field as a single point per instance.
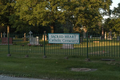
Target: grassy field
(56, 66)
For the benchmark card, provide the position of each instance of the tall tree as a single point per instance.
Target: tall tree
(6, 10)
(113, 23)
(108, 25)
(86, 12)
(116, 19)
(40, 12)
(47, 12)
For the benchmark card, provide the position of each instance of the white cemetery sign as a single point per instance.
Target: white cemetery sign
(64, 38)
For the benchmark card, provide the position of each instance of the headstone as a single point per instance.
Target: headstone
(5, 41)
(33, 40)
(30, 36)
(109, 36)
(37, 40)
(114, 35)
(118, 38)
(84, 35)
(68, 46)
(4, 34)
(30, 33)
(90, 36)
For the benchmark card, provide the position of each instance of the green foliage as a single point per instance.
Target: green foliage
(48, 11)
(113, 24)
(20, 13)
(116, 12)
(86, 12)
(40, 12)
(117, 25)
(6, 11)
(108, 25)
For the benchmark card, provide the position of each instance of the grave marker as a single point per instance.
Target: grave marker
(33, 40)
(5, 41)
(4, 34)
(109, 36)
(84, 34)
(30, 33)
(118, 38)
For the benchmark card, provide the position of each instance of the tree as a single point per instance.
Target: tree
(6, 10)
(40, 12)
(86, 12)
(116, 19)
(113, 23)
(9, 18)
(48, 12)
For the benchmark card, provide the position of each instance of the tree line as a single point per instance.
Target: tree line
(56, 15)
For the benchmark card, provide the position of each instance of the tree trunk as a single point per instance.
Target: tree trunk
(102, 37)
(52, 29)
(8, 31)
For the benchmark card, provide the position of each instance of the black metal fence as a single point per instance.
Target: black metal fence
(90, 45)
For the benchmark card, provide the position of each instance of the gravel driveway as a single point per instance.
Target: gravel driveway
(2, 77)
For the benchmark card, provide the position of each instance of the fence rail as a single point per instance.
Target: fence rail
(94, 46)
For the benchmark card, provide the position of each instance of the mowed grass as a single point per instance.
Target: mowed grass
(56, 66)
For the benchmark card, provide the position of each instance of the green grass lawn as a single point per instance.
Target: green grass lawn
(55, 66)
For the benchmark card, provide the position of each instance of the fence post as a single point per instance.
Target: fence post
(8, 41)
(44, 45)
(87, 44)
(87, 48)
